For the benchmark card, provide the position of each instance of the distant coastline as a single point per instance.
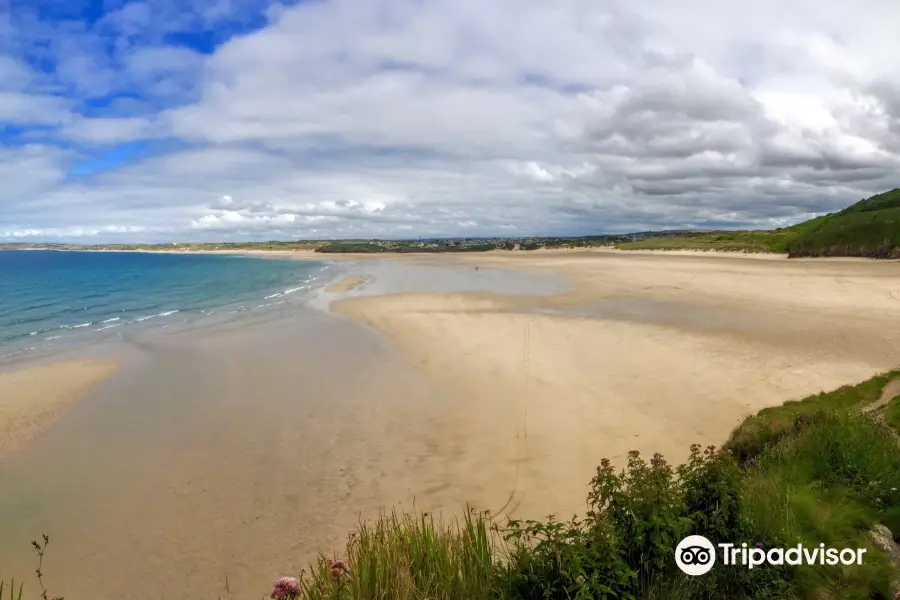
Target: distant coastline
(869, 228)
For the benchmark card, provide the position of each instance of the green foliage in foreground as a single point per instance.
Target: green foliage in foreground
(818, 470)
(10, 592)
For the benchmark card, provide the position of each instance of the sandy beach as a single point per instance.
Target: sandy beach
(648, 351)
(499, 380)
(32, 398)
(346, 284)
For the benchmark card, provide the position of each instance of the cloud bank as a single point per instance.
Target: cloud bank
(160, 120)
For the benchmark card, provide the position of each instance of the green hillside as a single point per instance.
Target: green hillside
(869, 228)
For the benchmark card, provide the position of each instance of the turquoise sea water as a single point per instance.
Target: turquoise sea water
(49, 299)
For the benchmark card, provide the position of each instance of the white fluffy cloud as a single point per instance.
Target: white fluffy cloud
(401, 117)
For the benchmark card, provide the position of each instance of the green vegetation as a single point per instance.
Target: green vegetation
(721, 241)
(818, 470)
(869, 228)
(771, 425)
(892, 414)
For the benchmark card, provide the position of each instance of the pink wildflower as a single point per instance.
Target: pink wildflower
(339, 569)
(286, 588)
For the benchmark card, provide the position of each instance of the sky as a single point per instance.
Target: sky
(178, 120)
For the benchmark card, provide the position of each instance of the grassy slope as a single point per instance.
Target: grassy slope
(869, 228)
(892, 414)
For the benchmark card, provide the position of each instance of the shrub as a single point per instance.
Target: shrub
(645, 508)
(556, 560)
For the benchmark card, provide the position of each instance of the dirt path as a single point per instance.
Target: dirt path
(890, 391)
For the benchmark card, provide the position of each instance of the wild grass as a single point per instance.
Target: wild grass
(10, 592)
(407, 557)
(892, 414)
(819, 470)
(771, 425)
(829, 484)
(721, 241)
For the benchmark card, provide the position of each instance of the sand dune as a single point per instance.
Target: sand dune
(32, 398)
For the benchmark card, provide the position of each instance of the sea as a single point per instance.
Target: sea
(55, 300)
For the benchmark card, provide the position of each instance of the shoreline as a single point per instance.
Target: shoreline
(305, 254)
(57, 336)
(497, 380)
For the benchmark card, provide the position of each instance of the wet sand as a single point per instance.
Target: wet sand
(346, 284)
(32, 398)
(241, 450)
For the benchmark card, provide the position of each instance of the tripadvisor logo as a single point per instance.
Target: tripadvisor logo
(696, 555)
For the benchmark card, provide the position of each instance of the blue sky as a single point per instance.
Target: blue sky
(168, 120)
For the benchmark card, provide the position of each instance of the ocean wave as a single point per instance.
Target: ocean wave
(52, 337)
(109, 326)
(162, 314)
(274, 295)
(295, 289)
(88, 324)
(111, 320)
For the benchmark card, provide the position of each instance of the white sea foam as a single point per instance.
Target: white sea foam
(52, 337)
(294, 289)
(109, 326)
(110, 320)
(80, 326)
(273, 295)
(162, 314)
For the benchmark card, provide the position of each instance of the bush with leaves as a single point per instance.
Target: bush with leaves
(645, 507)
(556, 560)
